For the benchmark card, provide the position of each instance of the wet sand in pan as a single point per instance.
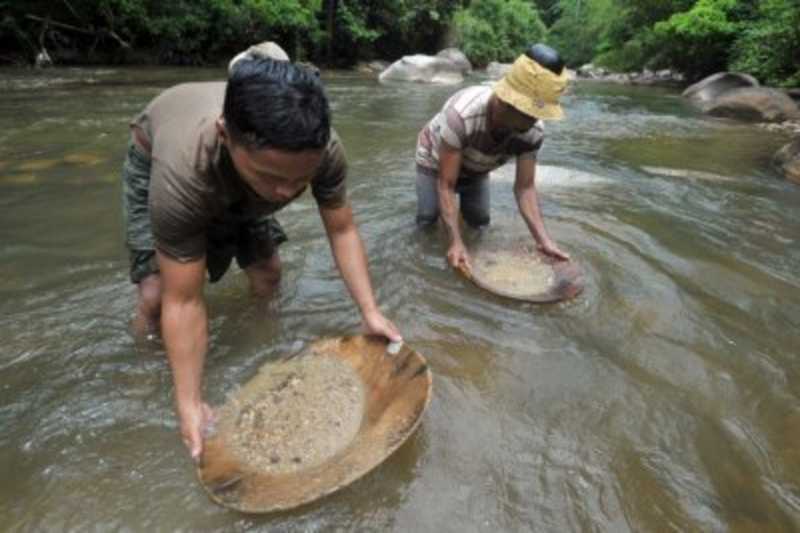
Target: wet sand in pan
(295, 415)
(519, 271)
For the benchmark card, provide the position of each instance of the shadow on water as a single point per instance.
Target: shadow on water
(665, 397)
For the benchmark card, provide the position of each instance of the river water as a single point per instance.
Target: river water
(665, 398)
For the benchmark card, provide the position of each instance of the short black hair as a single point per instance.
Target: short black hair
(276, 104)
(546, 56)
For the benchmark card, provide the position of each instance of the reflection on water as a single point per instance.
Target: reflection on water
(665, 397)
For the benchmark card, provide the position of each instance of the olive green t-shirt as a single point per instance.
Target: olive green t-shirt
(193, 183)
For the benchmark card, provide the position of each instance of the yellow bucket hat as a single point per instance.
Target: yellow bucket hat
(533, 89)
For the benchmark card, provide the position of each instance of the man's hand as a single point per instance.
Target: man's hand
(458, 258)
(377, 324)
(195, 419)
(548, 247)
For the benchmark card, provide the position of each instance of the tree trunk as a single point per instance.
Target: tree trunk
(103, 32)
(42, 57)
(331, 27)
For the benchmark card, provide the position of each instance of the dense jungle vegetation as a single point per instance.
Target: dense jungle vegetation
(696, 37)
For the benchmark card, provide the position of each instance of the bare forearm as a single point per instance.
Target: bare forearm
(348, 252)
(351, 259)
(449, 211)
(185, 330)
(528, 203)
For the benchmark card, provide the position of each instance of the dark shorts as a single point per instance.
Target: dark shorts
(249, 241)
(473, 194)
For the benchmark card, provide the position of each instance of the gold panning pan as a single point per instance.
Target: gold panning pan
(516, 269)
(307, 426)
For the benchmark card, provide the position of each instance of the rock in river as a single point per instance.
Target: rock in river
(788, 160)
(708, 89)
(425, 69)
(757, 104)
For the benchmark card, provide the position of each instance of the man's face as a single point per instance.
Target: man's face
(274, 174)
(513, 120)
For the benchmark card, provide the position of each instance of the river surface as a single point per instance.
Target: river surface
(665, 398)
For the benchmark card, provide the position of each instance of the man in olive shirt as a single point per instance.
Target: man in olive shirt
(208, 165)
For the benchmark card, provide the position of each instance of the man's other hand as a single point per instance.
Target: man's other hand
(195, 419)
(548, 247)
(458, 258)
(377, 324)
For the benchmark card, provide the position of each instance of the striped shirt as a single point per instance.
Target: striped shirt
(463, 124)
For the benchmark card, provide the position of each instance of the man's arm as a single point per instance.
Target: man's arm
(348, 252)
(528, 203)
(449, 170)
(184, 328)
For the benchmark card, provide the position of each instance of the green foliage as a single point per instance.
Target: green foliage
(497, 30)
(700, 37)
(479, 41)
(768, 48)
(352, 21)
(697, 41)
(577, 31)
(384, 28)
(697, 37)
(549, 10)
(629, 41)
(634, 54)
(414, 25)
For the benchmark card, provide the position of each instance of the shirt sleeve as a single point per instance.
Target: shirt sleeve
(176, 215)
(328, 185)
(452, 128)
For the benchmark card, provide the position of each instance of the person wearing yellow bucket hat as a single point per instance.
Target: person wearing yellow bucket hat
(478, 130)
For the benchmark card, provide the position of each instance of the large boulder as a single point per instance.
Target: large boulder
(708, 89)
(788, 161)
(592, 72)
(456, 56)
(265, 49)
(497, 70)
(423, 68)
(794, 94)
(757, 104)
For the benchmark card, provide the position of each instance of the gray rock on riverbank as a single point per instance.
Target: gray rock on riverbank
(457, 57)
(266, 49)
(755, 104)
(794, 94)
(787, 160)
(645, 77)
(740, 96)
(447, 67)
(497, 70)
(707, 89)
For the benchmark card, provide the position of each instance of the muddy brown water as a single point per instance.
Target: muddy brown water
(664, 398)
